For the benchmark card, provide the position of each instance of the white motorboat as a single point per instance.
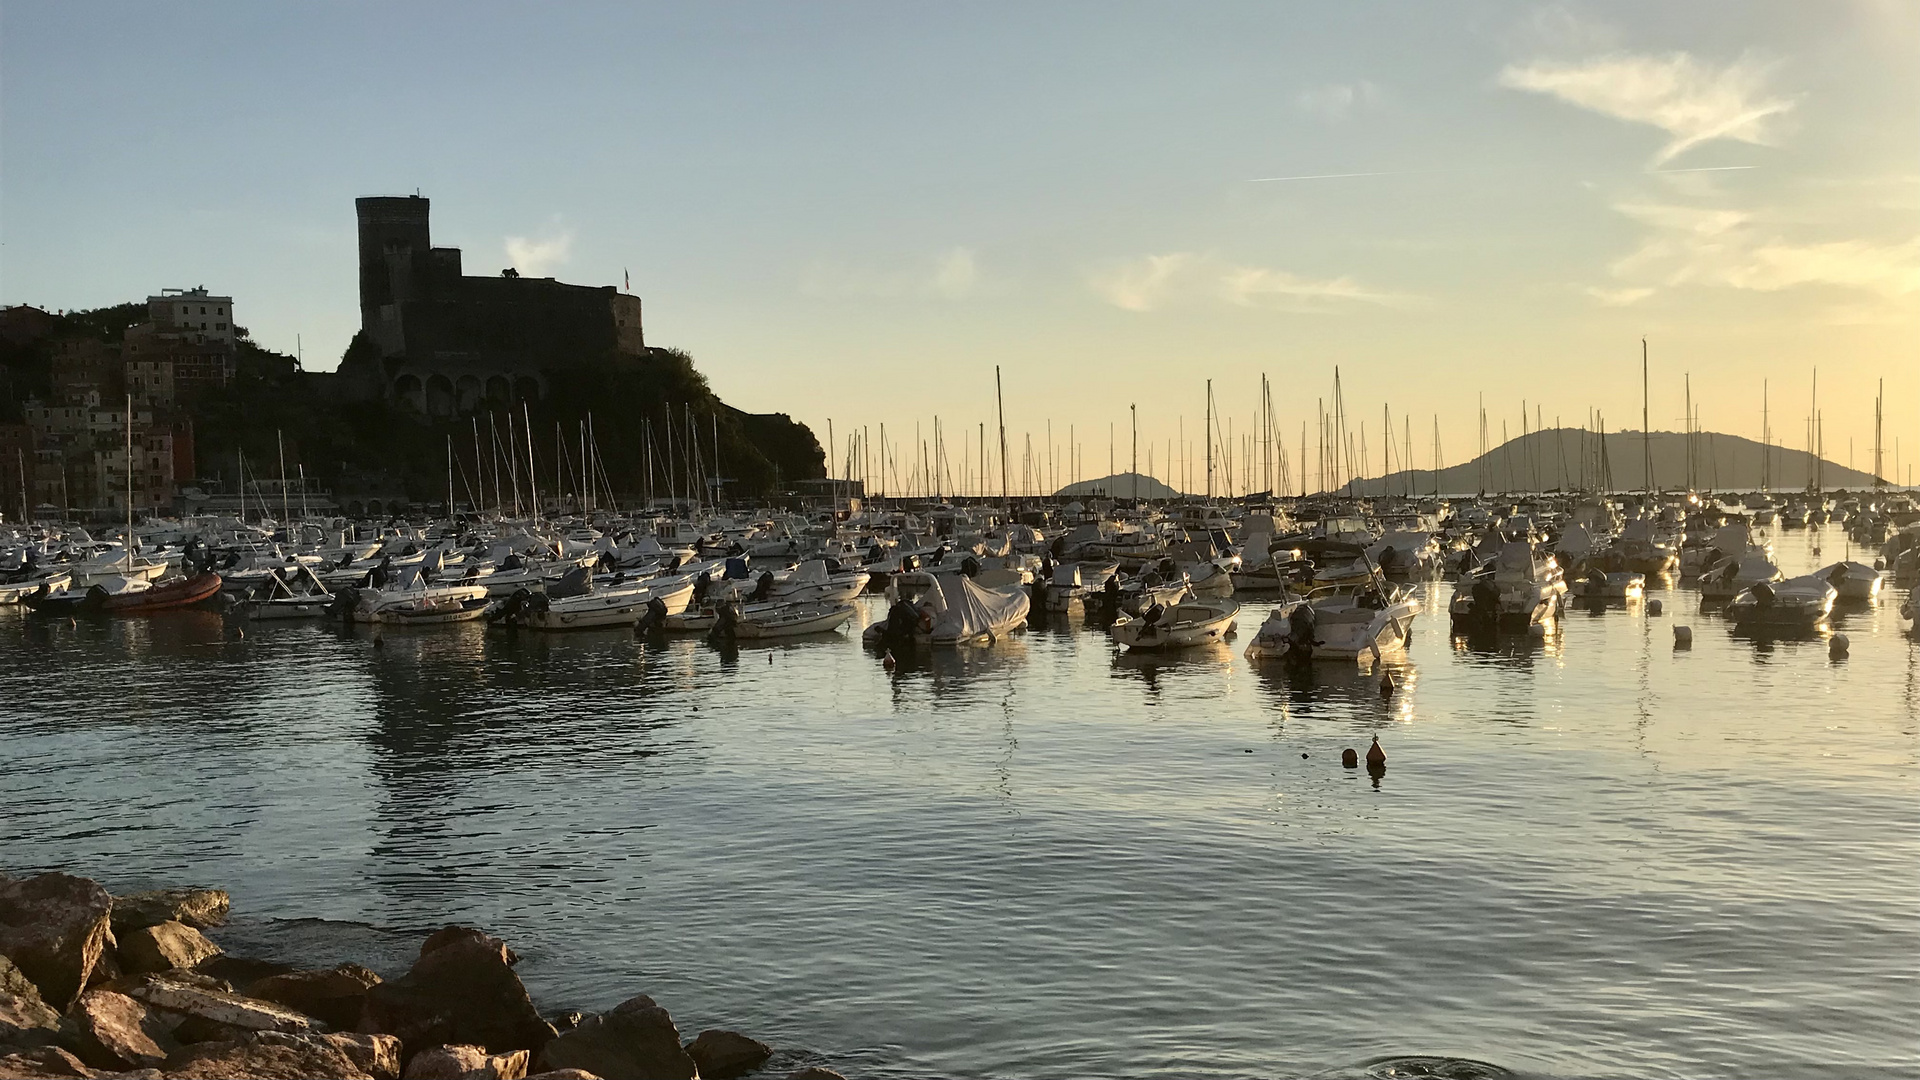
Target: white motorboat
(1734, 576)
(1852, 580)
(299, 595)
(414, 601)
(1341, 627)
(54, 581)
(1600, 585)
(1193, 622)
(1519, 589)
(1800, 603)
(792, 620)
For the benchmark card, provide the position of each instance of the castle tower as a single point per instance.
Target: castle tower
(395, 249)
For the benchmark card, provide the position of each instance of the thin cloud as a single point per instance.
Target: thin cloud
(1694, 102)
(1186, 278)
(1736, 249)
(1617, 297)
(534, 257)
(1335, 102)
(952, 275)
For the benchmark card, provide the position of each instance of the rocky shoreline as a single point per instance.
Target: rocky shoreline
(95, 987)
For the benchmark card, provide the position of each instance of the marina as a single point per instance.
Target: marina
(1043, 838)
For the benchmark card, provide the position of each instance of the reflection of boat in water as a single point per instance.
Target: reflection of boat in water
(1192, 622)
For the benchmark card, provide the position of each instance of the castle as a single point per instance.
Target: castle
(439, 341)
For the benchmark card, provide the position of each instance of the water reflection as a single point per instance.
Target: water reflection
(1378, 695)
(1215, 658)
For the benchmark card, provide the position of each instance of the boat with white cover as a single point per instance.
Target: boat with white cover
(1346, 626)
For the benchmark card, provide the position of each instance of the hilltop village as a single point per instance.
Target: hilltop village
(442, 361)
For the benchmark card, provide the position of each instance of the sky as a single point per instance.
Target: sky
(855, 211)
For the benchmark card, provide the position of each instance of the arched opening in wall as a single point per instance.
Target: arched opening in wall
(468, 392)
(355, 508)
(499, 390)
(526, 388)
(373, 507)
(407, 391)
(439, 395)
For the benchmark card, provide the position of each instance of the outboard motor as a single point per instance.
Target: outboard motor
(1486, 602)
(725, 625)
(970, 566)
(1300, 629)
(344, 602)
(762, 588)
(902, 620)
(655, 617)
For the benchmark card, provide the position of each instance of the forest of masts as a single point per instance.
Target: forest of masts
(1332, 454)
(681, 454)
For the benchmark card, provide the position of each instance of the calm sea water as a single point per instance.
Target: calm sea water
(1590, 855)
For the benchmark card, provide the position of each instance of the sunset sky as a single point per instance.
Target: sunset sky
(855, 210)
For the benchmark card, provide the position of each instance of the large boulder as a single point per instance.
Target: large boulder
(335, 995)
(25, 1019)
(461, 990)
(636, 1041)
(116, 1032)
(206, 1014)
(200, 908)
(266, 1056)
(54, 928)
(166, 946)
(723, 1055)
(376, 1055)
(44, 1063)
(466, 1063)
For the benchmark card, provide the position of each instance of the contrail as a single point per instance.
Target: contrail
(1321, 176)
(1710, 168)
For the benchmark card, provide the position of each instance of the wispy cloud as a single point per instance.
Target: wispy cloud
(1618, 297)
(535, 256)
(1693, 101)
(1335, 102)
(952, 275)
(1185, 278)
(1736, 249)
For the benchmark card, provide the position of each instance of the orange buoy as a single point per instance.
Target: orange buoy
(889, 663)
(1376, 757)
(1350, 759)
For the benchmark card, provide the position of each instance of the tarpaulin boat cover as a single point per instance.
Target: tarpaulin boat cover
(962, 609)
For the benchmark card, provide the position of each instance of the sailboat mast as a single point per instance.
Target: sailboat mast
(129, 539)
(1646, 417)
(1000, 408)
(280, 442)
(533, 491)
